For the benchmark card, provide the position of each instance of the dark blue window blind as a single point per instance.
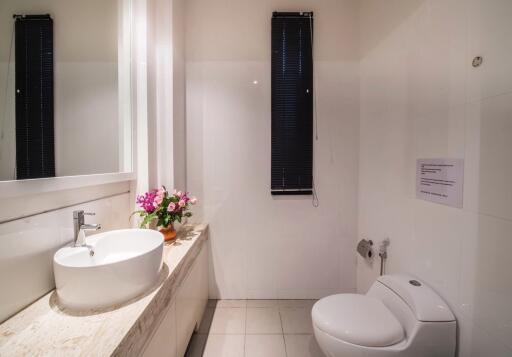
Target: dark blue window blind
(35, 156)
(292, 103)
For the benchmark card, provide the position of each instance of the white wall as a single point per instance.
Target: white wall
(179, 94)
(166, 93)
(421, 98)
(264, 246)
(85, 85)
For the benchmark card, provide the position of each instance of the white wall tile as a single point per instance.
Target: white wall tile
(441, 133)
(440, 232)
(477, 342)
(495, 170)
(489, 34)
(486, 287)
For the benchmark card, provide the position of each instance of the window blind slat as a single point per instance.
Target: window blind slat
(34, 97)
(292, 103)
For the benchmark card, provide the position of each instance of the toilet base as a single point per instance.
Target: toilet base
(423, 345)
(333, 347)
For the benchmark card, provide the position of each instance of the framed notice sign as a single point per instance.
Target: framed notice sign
(440, 181)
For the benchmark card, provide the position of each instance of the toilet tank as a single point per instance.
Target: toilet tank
(424, 303)
(429, 324)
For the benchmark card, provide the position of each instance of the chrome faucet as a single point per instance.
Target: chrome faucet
(80, 227)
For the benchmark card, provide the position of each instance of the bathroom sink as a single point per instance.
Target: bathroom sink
(114, 267)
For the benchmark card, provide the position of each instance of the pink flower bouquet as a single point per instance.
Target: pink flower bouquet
(164, 207)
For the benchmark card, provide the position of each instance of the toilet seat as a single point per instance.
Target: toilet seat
(357, 319)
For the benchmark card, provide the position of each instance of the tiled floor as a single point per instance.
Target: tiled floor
(255, 328)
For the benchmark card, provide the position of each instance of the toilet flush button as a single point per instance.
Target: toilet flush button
(414, 282)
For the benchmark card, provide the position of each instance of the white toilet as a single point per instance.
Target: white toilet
(399, 316)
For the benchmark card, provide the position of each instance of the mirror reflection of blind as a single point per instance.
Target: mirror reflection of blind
(35, 155)
(292, 103)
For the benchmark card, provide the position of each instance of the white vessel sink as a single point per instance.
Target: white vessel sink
(125, 263)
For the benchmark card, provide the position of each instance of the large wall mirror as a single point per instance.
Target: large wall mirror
(65, 88)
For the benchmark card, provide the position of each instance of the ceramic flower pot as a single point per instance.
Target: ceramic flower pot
(169, 233)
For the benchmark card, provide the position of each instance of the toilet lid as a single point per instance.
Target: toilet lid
(357, 319)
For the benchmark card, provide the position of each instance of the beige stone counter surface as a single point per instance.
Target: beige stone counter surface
(46, 329)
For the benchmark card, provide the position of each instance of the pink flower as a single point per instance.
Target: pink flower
(147, 201)
(160, 194)
(171, 207)
(193, 200)
(182, 203)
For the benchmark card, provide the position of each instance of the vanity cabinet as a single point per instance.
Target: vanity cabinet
(184, 314)
(191, 301)
(163, 341)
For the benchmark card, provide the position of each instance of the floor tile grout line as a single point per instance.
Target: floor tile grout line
(259, 333)
(282, 330)
(245, 325)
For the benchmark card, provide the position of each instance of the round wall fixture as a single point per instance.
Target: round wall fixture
(414, 282)
(477, 61)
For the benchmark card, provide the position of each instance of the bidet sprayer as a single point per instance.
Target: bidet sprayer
(383, 253)
(383, 248)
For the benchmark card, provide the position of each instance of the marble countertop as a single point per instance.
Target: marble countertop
(46, 329)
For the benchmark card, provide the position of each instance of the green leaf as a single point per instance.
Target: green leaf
(147, 220)
(137, 212)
